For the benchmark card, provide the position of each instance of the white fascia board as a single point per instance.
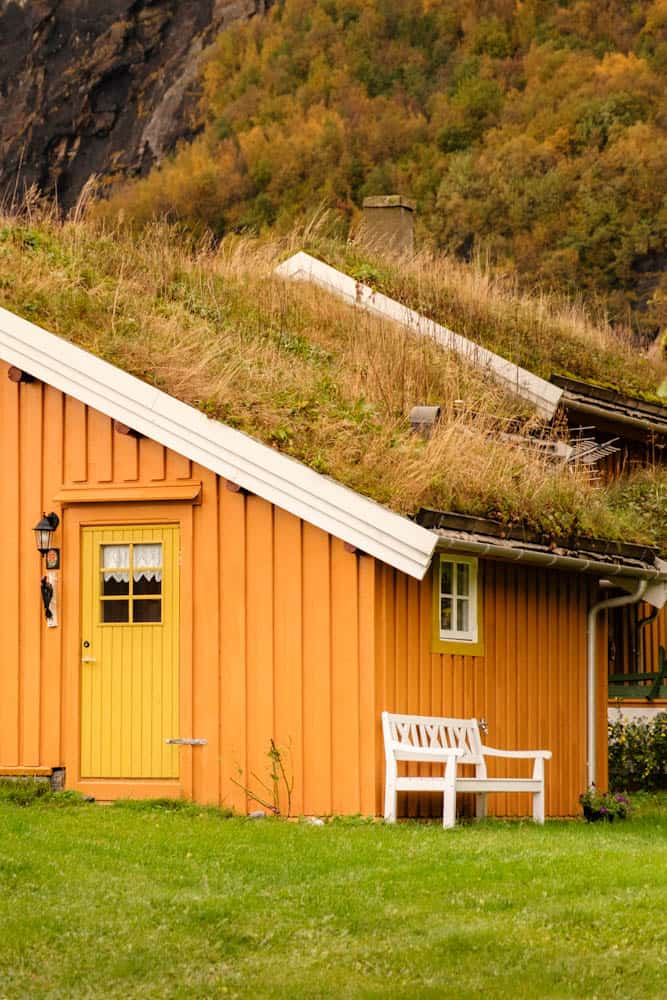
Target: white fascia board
(544, 396)
(262, 470)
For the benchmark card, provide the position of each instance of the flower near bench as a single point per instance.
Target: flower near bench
(432, 740)
(604, 806)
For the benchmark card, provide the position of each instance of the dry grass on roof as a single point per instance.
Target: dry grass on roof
(544, 333)
(294, 367)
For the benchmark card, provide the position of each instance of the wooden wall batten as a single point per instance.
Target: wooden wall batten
(10, 538)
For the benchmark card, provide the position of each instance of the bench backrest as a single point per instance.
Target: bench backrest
(431, 731)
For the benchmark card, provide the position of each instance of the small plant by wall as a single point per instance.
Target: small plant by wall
(274, 792)
(638, 754)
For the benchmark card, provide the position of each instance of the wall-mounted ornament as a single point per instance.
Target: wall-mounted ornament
(47, 597)
(49, 589)
(52, 559)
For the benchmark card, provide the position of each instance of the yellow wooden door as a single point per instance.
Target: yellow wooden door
(129, 652)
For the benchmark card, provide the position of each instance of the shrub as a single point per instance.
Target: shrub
(638, 753)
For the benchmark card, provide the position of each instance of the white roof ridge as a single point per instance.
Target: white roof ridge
(543, 395)
(278, 478)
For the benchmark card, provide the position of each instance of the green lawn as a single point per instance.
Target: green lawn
(132, 902)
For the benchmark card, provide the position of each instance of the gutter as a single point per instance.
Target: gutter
(574, 564)
(611, 602)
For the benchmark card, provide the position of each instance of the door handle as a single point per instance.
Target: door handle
(88, 659)
(182, 741)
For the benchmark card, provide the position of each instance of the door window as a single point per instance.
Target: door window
(131, 583)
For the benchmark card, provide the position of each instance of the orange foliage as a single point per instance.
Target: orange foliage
(531, 129)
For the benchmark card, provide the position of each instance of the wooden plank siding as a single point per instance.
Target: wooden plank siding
(286, 634)
(275, 617)
(530, 685)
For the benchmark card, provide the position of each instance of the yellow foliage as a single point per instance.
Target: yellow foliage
(508, 121)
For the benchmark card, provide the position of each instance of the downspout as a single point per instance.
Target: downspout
(611, 602)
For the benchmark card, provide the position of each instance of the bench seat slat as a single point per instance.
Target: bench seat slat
(498, 785)
(419, 784)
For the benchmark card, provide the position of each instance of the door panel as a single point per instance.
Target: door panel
(129, 652)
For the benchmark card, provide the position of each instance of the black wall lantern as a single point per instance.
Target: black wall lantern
(44, 531)
(43, 535)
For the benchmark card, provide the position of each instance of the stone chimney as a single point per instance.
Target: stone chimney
(388, 223)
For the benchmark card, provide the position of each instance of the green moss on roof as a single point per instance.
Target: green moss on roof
(310, 376)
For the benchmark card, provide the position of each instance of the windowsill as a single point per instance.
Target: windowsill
(456, 647)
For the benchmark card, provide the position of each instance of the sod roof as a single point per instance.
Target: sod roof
(329, 385)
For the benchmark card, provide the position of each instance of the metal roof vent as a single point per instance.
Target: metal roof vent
(423, 419)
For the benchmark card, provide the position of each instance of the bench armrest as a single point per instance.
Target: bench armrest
(520, 754)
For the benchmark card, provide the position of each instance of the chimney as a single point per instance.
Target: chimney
(388, 223)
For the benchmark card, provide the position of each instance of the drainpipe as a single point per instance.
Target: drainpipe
(611, 602)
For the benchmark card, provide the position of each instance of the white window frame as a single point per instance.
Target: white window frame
(455, 635)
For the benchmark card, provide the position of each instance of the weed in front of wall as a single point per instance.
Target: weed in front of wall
(279, 784)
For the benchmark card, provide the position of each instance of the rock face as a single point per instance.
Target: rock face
(103, 87)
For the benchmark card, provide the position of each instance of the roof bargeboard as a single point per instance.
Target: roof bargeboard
(544, 396)
(235, 456)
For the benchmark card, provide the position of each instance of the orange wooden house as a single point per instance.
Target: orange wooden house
(203, 587)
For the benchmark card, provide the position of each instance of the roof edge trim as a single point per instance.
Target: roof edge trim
(543, 395)
(279, 479)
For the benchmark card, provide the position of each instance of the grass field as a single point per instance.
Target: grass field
(127, 901)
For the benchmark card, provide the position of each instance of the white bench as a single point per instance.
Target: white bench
(421, 739)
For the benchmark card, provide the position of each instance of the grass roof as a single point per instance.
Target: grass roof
(325, 383)
(540, 332)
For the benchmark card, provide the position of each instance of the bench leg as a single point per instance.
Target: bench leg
(538, 806)
(449, 809)
(480, 805)
(390, 794)
(449, 797)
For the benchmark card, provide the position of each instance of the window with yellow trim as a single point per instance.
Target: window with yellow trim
(456, 605)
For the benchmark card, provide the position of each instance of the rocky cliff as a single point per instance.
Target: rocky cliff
(102, 87)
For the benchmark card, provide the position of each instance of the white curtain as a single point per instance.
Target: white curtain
(116, 563)
(146, 562)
